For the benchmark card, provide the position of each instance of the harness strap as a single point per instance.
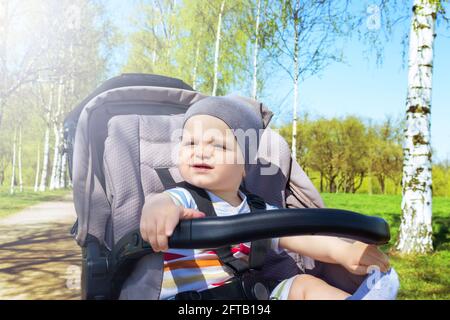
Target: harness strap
(204, 204)
(165, 177)
(259, 248)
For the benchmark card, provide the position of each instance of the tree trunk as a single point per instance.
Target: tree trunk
(13, 173)
(2, 171)
(321, 181)
(57, 131)
(194, 73)
(20, 160)
(381, 181)
(42, 185)
(54, 178)
(38, 160)
(4, 11)
(216, 52)
(255, 53)
(296, 75)
(415, 228)
(154, 49)
(62, 175)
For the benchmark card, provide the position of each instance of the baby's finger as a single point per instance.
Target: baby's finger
(359, 269)
(376, 257)
(171, 223)
(147, 229)
(380, 255)
(143, 231)
(161, 237)
(191, 214)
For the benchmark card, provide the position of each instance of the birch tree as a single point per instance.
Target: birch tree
(255, 51)
(306, 41)
(415, 234)
(217, 48)
(57, 131)
(20, 159)
(198, 56)
(19, 59)
(46, 151)
(13, 174)
(36, 178)
(154, 42)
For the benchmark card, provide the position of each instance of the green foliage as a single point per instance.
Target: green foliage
(350, 155)
(441, 179)
(179, 41)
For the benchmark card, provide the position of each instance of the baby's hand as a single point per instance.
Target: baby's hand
(360, 256)
(159, 218)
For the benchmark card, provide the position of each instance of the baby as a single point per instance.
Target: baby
(212, 157)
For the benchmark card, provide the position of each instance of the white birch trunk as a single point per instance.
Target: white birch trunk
(154, 48)
(296, 75)
(194, 73)
(56, 159)
(57, 132)
(216, 52)
(255, 53)
(20, 160)
(60, 157)
(42, 185)
(415, 229)
(38, 162)
(62, 174)
(13, 173)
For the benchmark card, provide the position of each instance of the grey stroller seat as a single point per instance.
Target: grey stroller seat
(123, 148)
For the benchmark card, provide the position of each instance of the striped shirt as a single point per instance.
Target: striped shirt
(201, 269)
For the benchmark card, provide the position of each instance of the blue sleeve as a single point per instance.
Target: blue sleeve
(181, 196)
(275, 241)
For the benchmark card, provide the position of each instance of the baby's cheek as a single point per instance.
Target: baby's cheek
(184, 171)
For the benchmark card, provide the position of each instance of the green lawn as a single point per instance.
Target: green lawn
(13, 203)
(421, 276)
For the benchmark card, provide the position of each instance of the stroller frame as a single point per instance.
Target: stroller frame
(108, 262)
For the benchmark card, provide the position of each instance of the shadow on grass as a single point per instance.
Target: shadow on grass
(441, 233)
(39, 261)
(441, 240)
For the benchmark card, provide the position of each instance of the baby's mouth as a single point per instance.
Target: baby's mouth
(202, 166)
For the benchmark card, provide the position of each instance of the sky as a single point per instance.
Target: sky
(359, 87)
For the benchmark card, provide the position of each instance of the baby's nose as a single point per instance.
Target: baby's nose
(203, 151)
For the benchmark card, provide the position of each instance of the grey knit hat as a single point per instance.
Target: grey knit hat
(240, 116)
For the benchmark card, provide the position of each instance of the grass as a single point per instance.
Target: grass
(10, 204)
(421, 276)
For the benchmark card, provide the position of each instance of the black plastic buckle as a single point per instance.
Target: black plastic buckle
(260, 291)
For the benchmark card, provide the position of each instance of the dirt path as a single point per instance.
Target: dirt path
(38, 257)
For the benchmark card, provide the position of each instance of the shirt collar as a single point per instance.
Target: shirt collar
(216, 199)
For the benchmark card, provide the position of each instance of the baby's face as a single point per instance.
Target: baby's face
(210, 156)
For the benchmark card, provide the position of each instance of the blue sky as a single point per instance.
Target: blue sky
(359, 87)
(362, 88)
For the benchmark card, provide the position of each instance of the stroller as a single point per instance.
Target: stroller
(119, 142)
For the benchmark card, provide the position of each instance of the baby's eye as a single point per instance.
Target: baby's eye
(220, 146)
(188, 143)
